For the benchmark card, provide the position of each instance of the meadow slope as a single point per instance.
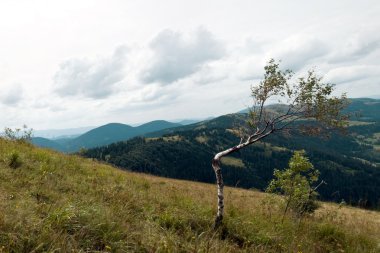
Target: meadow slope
(52, 202)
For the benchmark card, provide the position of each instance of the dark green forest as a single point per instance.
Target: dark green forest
(348, 163)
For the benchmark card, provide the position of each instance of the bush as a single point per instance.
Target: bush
(295, 183)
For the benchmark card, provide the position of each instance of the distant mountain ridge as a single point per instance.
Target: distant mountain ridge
(362, 109)
(62, 133)
(103, 135)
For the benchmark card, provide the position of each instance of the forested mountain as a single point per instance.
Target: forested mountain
(364, 109)
(348, 163)
(103, 135)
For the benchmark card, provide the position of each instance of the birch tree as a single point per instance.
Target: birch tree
(307, 106)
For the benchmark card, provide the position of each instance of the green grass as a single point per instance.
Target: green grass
(52, 202)
(359, 123)
(233, 161)
(201, 139)
(165, 138)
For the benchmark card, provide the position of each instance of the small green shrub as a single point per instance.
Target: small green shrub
(295, 183)
(14, 160)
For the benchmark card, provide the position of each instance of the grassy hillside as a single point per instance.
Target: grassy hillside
(52, 202)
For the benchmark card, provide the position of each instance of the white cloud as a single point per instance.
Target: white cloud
(298, 50)
(357, 46)
(295, 52)
(211, 73)
(349, 74)
(93, 79)
(176, 56)
(12, 96)
(190, 73)
(249, 68)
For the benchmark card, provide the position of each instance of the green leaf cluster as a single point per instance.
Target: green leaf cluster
(307, 99)
(295, 183)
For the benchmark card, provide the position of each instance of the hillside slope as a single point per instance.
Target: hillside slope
(52, 202)
(349, 164)
(103, 135)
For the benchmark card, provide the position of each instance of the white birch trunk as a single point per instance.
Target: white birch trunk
(220, 185)
(218, 172)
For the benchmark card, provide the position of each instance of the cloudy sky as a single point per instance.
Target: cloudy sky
(74, 63)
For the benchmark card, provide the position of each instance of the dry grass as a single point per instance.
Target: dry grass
(353, 219)
(359, 123)
(166, 138)
(201, 139)
(232, 161)
(56, 203)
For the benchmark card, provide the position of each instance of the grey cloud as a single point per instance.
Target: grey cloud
(295, 54)
(255, 45)
(209, 75)
(250, 69)
(176, 57)
(348, 74)
(156, 95)
(366, 48)
(93, 79)
(149, 97)
(13, 96)
(356, 48)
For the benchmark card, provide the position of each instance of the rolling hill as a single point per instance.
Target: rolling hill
(102, 135)
(364, 109)
(51, 202)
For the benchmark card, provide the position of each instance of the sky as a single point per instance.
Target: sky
(67, 64)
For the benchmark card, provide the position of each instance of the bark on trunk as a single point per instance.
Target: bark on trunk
(218, 172)
(220, 184)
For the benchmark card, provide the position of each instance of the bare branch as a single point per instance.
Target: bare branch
(319, 185)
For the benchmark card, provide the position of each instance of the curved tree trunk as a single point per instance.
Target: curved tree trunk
(219, 180)
(218, 172)
(220, 184)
